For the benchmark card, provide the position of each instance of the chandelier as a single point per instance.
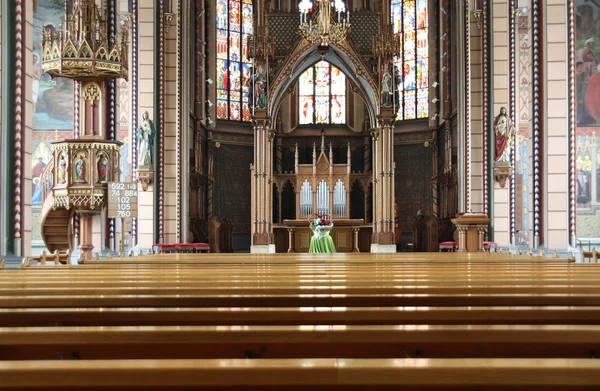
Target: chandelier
(81, 49)
(325, 31)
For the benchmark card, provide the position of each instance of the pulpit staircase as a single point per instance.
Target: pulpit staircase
(55, 223)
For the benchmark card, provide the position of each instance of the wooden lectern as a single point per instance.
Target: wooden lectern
(471, 229)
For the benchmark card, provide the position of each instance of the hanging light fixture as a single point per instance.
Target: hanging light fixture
(325, 31)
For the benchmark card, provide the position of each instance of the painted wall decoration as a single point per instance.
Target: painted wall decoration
(322, 95)
(41, 155)
(234, 25)
(410, 20)
(52, 98)
(587, 85)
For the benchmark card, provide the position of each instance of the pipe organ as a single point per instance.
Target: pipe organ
(324, 188)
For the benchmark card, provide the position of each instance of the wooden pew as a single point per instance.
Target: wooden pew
(303, 374)
(28, 317)
(591, 255)
(321, 341)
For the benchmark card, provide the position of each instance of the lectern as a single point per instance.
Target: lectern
(471, 228)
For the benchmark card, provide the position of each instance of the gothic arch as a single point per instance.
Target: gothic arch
(343, 57)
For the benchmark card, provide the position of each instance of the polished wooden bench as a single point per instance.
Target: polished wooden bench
(303, 374)
(319, 341)
(176, 316)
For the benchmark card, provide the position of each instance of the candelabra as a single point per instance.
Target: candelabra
(324, 31)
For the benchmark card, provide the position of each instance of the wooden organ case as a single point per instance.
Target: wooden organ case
(322, 187)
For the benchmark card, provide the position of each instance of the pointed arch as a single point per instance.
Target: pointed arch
(342, 57)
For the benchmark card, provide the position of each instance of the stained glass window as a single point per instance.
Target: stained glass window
(322, 95)
(234, 24)
(411, 23)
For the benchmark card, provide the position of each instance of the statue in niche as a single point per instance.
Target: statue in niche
(145, 134)
(102, 169)
(80, 170)
(387, 89)
(503, 135)
(260, 87)
(62, 170)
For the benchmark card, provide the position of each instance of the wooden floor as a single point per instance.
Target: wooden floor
(418, 321)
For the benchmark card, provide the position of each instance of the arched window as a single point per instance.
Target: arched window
(322, 95)
(411, 22)
(234, 24)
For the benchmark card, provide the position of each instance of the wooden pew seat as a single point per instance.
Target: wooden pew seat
(320, 341)
(29, 317)
(303, 374)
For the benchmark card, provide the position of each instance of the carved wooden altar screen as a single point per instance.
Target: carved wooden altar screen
(322, 187)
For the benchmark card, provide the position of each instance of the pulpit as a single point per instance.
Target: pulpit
(471, 228)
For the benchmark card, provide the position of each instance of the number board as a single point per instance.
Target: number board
(122, 200)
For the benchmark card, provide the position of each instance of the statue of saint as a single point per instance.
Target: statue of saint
(260, 87)
(62, 171)
(503, 134)
(145, 134)
(102, 169)
(324, 15)
(80, 170)
(387, 89)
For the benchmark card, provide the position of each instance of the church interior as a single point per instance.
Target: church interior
(299, 195)
(237, 122)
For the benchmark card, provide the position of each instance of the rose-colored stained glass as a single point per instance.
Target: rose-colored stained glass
(234, 15)
(234, 46)
(235, 111)
(306, 110)
(247, 116)
(222, 74)
(235, 81)
(410, 21)
(221, 109)
(246, 80)
(245, 48)
(222, 44)
(422, 14)
(422, 46)
(234, 24)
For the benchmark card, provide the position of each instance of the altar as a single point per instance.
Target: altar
(327, 188)
(349, 235)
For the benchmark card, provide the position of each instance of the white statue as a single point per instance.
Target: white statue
(145, 134)
(324, 15)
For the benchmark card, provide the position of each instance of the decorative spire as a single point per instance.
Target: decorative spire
(81, 48)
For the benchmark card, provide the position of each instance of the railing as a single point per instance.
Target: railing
(47, 179)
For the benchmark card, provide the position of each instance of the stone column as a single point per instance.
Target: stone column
(262, 237)
(383, 180)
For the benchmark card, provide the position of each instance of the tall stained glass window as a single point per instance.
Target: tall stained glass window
(322, 95)
(234, 24)
(411, 23)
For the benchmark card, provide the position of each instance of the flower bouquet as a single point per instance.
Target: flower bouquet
(320, 224)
